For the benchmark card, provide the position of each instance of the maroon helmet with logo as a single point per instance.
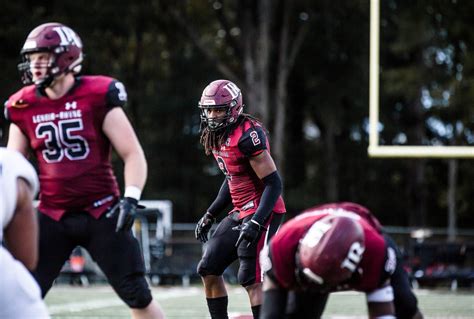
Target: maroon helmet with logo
(61, 42)
(331, 250)
(221, 94)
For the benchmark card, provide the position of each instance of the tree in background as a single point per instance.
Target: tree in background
(304, 67)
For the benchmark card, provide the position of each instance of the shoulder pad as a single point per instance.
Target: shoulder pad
(253, 141)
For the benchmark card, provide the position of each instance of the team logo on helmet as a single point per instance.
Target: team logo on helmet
(233, 89)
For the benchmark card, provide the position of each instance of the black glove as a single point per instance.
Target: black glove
(127, 208)
(203, 226)
(250, 231)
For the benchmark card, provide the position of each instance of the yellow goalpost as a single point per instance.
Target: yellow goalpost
(402, 151)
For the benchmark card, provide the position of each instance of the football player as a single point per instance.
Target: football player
(252, 185)
(330, 248)
(20, 296)
(71, 122)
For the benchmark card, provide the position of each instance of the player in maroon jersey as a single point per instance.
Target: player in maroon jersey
(253, 187)
(70, 123)
(334, 247)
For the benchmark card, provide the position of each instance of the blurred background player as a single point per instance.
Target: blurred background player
(253, 186)
(71, 122)
(20, 296)
(331, 248)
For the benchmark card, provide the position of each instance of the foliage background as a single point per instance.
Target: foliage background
(303, 68)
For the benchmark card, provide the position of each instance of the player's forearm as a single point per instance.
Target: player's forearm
(270, 195)
(16, 140)
(135, 170)
(221, 201)
(21, 235)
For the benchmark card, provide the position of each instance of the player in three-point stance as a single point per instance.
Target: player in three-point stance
(334, 247)
(252, 185)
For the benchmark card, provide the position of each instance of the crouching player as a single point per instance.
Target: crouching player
(334, 247)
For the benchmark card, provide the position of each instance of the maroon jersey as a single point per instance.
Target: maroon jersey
(72, 151)
(355, 208)
(284, 244)
(248, 139)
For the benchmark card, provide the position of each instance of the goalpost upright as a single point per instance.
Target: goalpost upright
(394, 151)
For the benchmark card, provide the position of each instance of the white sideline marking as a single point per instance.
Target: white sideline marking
(113, 302)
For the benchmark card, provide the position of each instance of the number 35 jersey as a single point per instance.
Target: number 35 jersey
(72, 151)
(246, 140)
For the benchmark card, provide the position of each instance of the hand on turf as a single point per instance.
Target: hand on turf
(203, 226)
(250, 231)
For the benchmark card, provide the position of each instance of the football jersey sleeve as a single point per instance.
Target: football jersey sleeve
(253, 141)
(116, 94)
(13, 166)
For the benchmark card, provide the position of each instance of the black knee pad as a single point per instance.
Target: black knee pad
(247, 274)
(204, 269)
(212, 261)
(245, 277)
(134, 291)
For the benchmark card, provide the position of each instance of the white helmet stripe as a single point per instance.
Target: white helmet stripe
(311, 275)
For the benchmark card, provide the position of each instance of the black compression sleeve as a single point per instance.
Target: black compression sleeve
(274, 304)
(272, 191)
(222, 200)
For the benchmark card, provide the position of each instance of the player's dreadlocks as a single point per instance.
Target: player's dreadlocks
(214, 139)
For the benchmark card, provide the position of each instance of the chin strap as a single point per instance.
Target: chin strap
(44, 84)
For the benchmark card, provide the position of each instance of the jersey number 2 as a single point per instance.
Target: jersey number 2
(60, 140)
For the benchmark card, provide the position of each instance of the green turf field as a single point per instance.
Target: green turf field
(101, 302)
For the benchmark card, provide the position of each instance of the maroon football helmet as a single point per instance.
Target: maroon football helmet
(331, 250)
(61, 42)
(221, 94)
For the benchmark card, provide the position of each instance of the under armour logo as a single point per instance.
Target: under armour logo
(71, 105)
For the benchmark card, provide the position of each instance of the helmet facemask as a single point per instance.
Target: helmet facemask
(217, 123)
(27, 75)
